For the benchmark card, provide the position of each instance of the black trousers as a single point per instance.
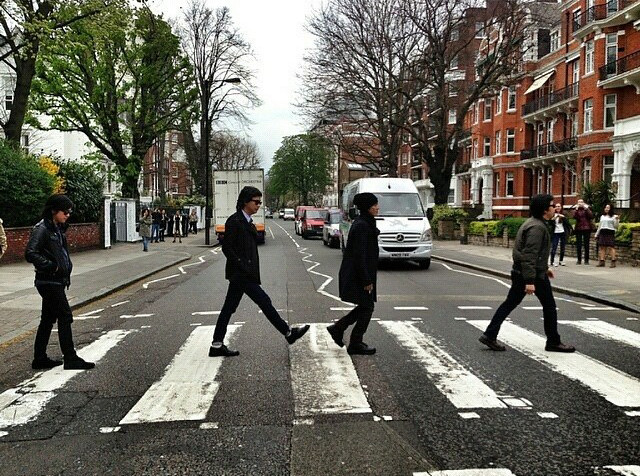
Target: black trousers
(234, 294)
(360, 316)
(514, 298)
(55, 307)
(582, 239)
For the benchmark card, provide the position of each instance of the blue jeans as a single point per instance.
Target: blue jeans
(234, 294)
(155, 231)
(558, 238)
(145, 243)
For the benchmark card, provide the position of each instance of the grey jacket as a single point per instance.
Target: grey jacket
(531, 250)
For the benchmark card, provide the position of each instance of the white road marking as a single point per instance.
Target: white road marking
(575, 302)
(271, 231)
(209, 425)
(91, 312)
(25, 402)
(471, 308)
(196, 324)
(499, 281)
(342, 308)
(324, 379)
(469, 472)
(468, 415)
(603, 308)
(132, 316)
(84, 318)
(460, 318)
(461, 387)
(632, 318)
(628, 470)
(146, 285)
(411, 308)
(617, 387)
(532, 308)
(632, 413)
(188, 386)
(205, 313)
(119, 303)
(3, 433)
(547, 415)
(109, 429)
(181, 268)
(606, 330)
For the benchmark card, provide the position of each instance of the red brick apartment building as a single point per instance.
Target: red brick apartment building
(165, 162)
(573, 118)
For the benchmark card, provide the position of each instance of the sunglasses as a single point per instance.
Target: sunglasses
(257, 202)
(66, 212)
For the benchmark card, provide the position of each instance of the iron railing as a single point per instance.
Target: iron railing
(551, 148)
(548, 100)
(624, 64)
(599, 12)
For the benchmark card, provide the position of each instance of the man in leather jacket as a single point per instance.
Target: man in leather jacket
(240, 247)
(47, 250)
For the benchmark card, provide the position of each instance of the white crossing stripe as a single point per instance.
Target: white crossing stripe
(461, 387)
(628, 470)
(96, 311)
(323, 377)
(205, 313)
(471, 308)
(617, 387)
(469, 472)
(341, 308)
(411, 308)
(605, 308)
(188, 386)
(25, 402)
(606, 330)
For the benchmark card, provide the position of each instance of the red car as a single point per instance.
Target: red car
(312, 222)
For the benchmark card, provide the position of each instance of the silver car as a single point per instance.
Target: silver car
(331, 228)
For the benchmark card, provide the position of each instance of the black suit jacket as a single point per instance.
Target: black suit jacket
(240, 246)
(360, 261)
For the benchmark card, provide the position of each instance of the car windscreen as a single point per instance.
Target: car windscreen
(315, 214)
(288, 211)
(335, 218)
(400, 205)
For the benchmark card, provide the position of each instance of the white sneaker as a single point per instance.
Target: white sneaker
(561, 263)
(555, 265)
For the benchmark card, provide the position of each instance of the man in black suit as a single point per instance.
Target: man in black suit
(240, 247)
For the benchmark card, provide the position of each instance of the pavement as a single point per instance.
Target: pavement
(98, 273)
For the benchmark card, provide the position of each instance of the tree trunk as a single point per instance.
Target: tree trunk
(25, 70)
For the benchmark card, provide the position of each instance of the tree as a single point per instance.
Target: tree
(230, 152)
(84, 186)
(25, 25)
(301, 166)
(120, 79)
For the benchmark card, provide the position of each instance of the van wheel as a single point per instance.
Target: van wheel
(424, 264)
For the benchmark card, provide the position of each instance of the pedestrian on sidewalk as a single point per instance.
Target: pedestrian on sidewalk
(47, 250)
(606, 235)
(155, 225)
(530, 275)
(3, 240)
(583, 228)
(358, 273)
(177, 232)
(561, 231)
(240, 247)
(193, 221)
(163, 223)
(185, 223)
(146, 223)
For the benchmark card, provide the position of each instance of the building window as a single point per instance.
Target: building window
(586, 171)
(554, 39)
(476, 111)
(511, 140)
(496, 185)
(405, 158)
(480, 33)
(454, 62)
(609, 110)
(539, 178)
(588, 116)
(576, 19)
(487, 146)
(576, 71)
(475, 149)
(487, 109)
(499, 103)
(607, 168)
(611, 52)
(574, 124)
(511, 99)
(549, 132)
(416, 174)
(549, 180)
(540, 136)
(588, 57)
(509, 183)
(498, 142)
(452, 116)
(453, 90)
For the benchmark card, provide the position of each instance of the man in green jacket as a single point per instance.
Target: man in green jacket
(530, 275)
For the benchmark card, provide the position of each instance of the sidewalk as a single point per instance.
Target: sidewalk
(618, 287)
(96, 273)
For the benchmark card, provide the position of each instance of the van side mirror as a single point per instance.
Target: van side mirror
(353, 212)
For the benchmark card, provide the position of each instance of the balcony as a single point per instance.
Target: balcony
(612, 13)
(551, 150)
(549, 105)
(621, 73)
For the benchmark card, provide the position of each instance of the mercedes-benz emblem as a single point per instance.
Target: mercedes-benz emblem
(400, 237)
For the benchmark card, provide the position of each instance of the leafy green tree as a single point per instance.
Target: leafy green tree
(121, 79)
(598, 195)
(301, 167)
(84, 186)
(24, 187)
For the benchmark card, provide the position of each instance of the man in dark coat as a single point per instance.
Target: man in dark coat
(47, 250)
(357, 278)
(240, 247)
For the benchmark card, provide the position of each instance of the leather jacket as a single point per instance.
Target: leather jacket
(47, 250)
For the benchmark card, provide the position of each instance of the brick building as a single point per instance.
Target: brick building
(165, 168)
(572, 118)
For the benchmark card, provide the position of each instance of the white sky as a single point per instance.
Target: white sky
(275, 31)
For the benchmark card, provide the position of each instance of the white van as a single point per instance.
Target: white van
(405, 231)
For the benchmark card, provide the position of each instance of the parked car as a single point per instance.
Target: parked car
(288, 214)
(298, 215)
(331, 228)
(311, 222)
(281, 213)
(268, 213)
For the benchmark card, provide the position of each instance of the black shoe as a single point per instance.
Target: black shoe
(493, 344)
(559, 347)
(296, 333)
(222, 351)
(578, 262)
(78, 363)
(46, 363)
(336, 334)
(360, 349)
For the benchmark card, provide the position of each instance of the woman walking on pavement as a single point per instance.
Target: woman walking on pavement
(358, 275)
(606, 235)
(583, 217)
(47, 250)
(177, 228)
(561, 231)
(145, 228)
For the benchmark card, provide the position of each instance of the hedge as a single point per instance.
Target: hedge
(478, 227)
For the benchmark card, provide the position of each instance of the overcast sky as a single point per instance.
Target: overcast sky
(275, 30)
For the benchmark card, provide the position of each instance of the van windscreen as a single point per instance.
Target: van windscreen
(400, 205)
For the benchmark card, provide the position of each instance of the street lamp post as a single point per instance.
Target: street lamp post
(206, 131)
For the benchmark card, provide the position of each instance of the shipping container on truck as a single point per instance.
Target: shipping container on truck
(226, 188)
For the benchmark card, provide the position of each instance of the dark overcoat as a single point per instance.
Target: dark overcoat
(47, 250)
(360, 261)
(240, 246)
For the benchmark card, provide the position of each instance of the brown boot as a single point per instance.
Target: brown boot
(613, 264)
(600, 264)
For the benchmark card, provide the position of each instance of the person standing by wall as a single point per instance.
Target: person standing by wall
(48, 252)
(3, 240)
(530, 275)
(177, 227)
(163, 223)
(155, 225)
(358, 273)
(561, 232)
(145, 228)
(240, 247)
(583, 217)
(193, 221)
(606, 235)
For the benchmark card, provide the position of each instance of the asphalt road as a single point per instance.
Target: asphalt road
(432, 401)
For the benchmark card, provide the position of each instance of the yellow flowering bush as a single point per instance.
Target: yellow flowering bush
(49, 166)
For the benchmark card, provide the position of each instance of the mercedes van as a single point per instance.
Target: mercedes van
(405, 231)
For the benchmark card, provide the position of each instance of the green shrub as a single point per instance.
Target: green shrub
(478, 227)
(24, 187)
(623, 233)
(445, 212)
(84, 186)
(511, 224)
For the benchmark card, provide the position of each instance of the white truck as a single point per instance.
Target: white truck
(226, 188)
